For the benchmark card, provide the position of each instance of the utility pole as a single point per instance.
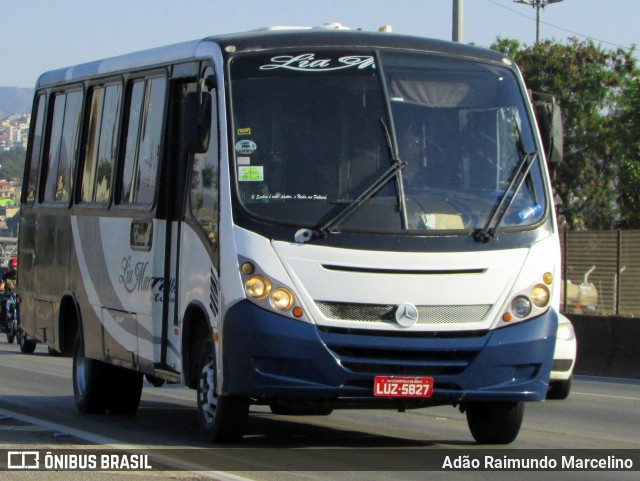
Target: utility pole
(537, 4)
(456, 28)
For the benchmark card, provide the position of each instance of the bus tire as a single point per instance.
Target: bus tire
(221, 418)
(495, 422)
(91, 381)
(154, 381)
(126, 389)
(27, 346)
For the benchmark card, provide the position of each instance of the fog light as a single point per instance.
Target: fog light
(281, 299)
(521, 307)
(258, 287)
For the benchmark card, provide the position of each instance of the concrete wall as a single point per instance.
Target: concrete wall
(607, 346)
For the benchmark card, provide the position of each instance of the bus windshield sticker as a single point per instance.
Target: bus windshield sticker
(246, 131)
(251, 173)
(307, 62)
(246, 147)
(244, 160)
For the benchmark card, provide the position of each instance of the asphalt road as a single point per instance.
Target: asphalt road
(37, 412)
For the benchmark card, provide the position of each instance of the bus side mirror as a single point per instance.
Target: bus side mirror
(549, 117)
(196, 122)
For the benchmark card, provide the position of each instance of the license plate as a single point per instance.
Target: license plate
(392, 386)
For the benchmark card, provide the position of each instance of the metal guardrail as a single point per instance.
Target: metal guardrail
(601, 272)
(8, 249)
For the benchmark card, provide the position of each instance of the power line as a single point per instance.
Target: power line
(559, 28)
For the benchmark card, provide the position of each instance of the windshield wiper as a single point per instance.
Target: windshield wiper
(488, 232)
(304, 235)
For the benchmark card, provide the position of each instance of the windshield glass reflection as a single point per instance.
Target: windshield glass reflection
(308, 140)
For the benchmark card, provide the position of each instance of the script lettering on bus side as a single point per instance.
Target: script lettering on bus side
(307, 62)
(134, 278)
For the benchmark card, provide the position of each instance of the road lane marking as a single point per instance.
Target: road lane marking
(611, 396)
(116, 444)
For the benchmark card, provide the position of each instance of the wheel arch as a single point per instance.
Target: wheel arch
(196, 327)
(69, 323)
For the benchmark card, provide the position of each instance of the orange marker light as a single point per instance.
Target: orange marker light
(506, 317)
(297, 311)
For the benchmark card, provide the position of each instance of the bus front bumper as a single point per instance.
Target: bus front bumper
(267, 356)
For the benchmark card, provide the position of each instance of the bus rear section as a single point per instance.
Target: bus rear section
(308, 220)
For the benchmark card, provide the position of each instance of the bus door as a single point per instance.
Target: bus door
(134, 237)
(193, 261)
(181, 254)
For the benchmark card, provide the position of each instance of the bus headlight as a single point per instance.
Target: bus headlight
(540, 295)
(258, 287)
(521, 307)
(282, 299)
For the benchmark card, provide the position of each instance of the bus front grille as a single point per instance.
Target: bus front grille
(384, 313)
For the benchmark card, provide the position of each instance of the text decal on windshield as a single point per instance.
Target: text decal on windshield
(307, 62)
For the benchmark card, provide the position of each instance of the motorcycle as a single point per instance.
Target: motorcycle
(8, 315)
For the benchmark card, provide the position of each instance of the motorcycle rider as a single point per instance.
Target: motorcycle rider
(7, 300)
(11, 275)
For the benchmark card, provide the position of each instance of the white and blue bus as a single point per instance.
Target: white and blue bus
(307, 219)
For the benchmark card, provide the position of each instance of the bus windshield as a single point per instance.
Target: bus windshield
(310, 136)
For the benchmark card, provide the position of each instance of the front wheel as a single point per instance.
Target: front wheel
(221, 417)
(495, 422)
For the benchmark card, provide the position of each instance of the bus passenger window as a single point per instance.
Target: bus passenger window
(34, 155)
(62, 146)
(100, 149)
(144, 141)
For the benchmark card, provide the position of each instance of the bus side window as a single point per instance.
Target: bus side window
(101, 144)
(144, 141)
(62, 146)
(204, 181)
(34, 153)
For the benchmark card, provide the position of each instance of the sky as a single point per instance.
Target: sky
(41, 35)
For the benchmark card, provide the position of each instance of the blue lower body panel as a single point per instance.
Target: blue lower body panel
(269, 356)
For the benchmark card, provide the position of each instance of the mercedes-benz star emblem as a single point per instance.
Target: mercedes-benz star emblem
(406, 315)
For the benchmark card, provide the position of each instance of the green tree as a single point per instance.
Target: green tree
(588, 82)
(12, 163)
(627, 128)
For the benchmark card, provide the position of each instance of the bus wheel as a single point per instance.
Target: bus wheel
(126, 389)
(221, 418)
(495, 422)
(154, 381)
(91, 381)
(27, 346)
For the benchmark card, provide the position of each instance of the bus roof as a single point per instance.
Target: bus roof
(283, 37)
